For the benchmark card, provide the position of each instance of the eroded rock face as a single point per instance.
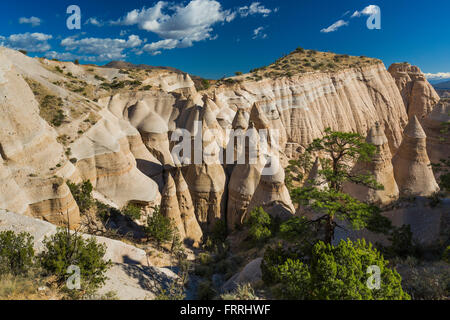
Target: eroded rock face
(438, 141)
(418, 95)
(348, 100)
(32, 161)
(125, 150)
(380, 168)
(170, 207)
(412, 167)
(191, 226)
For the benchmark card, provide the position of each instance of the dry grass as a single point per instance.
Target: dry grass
(27, 288)
(50, 106)
(425, 280)
(303, 61)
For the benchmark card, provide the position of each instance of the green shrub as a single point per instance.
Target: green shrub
(242, 292)
(331, 273)
(16, 253)
(131, 211)
(82, 193)
(159, 228)
(259, 224)
(401, 243)
(446, 255)
(238, 73)
(219, 232)
(205, 290)
(65, 249)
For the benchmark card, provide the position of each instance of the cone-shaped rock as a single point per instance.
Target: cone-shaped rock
(315, 179)
(438, 141)
(169, 205)
(191, 226)
(412, 167)
(258, 117)
(240, 121)
(206, 182)
(273, 195)
(380, 167)
(244, 181)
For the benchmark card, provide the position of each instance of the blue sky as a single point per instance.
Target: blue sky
(213, 38)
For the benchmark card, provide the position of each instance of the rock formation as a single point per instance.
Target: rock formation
(380, 167)
(170, 207)
(435, 124)
(315, 179)
(412, 167)
(118, 134)
(418, 95)
(207, 181)
(244, 180)
(192, 228)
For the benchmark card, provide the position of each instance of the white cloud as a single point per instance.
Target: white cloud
(367, 11)
(255, 8)
(34, 21)
(167, 44)
(334, 26)
(178, 25)
(259, 34)
(32, 42)
(95, 22)
(181, 25)
(101, 49)
(438, 76)
(62, 56)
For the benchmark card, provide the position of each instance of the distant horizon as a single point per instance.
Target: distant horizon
(216, 38)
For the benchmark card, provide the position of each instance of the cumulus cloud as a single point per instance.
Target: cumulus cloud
(255, 8)
(62, 56)
(95, 22)
(32, 42)
(34, 21)
(438, 76)
(101, 49)
(367, 11)
(181, 25)
(335, 26)
(259, 34)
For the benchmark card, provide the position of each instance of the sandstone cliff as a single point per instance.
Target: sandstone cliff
(62, 121)
(418, 95)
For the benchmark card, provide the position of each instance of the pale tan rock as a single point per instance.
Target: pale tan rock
(438, 141)
(243, 182)
(347, 100)
(240, 121)
(191, 226)
(315, 179)
(31, 159)
(272, 192)
(170, 207)
(412, 167)
(207, 180)
(380, 168)
(418, 95)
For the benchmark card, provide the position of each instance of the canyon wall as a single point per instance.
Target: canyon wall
(123, 140)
